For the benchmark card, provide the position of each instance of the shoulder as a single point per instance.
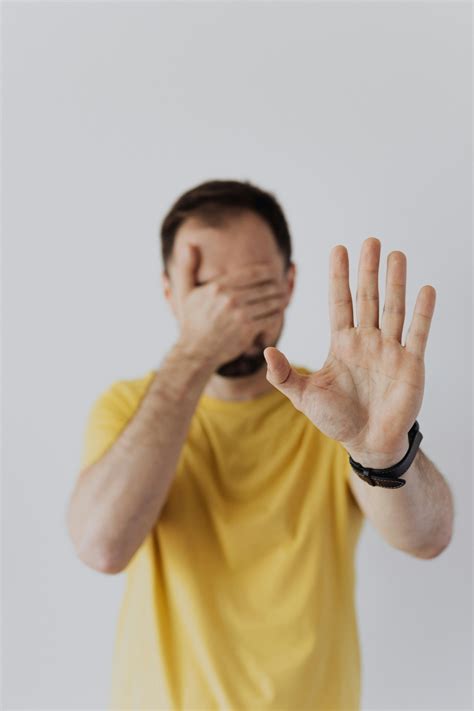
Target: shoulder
(122, 396)
(129, 392)
(109, 413)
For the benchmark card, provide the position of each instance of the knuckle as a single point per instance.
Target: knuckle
(393, 309)
(230, 300)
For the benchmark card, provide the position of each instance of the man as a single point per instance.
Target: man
(221, 483)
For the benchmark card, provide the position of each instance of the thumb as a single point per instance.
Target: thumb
(283, 376)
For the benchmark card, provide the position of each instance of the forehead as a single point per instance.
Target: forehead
(235, 241)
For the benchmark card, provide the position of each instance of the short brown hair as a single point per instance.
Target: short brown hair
(215, 200)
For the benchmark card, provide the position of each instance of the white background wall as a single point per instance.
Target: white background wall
(357, 116)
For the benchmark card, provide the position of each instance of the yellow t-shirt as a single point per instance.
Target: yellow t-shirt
(242, 596)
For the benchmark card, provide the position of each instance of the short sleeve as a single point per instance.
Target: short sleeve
(107, 417)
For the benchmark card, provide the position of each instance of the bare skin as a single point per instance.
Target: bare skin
(117, 500)
(368, 393)
(242, 240)
(215, 296)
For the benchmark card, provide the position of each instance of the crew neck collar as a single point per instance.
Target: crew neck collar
(209, 402)
(215, 403)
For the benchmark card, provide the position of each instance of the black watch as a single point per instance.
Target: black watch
(389, 477)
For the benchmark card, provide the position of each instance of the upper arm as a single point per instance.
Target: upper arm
(105, 421)
(106, 418)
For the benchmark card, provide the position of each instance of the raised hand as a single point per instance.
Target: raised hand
(369, 391)
(220, 320)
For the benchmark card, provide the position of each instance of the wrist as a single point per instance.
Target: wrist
(197, 359)
(379, 460)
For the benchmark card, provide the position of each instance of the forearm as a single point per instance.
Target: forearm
(417, 517)
(120, 498)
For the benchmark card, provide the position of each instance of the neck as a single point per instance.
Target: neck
(245, 387)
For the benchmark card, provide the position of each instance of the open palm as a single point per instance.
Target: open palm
(369, 391)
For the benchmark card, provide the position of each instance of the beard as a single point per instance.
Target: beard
(242, 365)
(246, 364)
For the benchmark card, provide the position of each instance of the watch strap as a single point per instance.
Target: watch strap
(390, 476)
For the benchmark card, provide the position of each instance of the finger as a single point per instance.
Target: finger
(188, 259)
(264, 322)
(265, 307)
(340, 298)
(393, 314)
(367, 297)
(421, 322)
(283, 376)
(245, 277)
(261, 292)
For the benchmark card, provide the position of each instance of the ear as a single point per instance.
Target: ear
(167, 291)
(290, 279)
(166, 285)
